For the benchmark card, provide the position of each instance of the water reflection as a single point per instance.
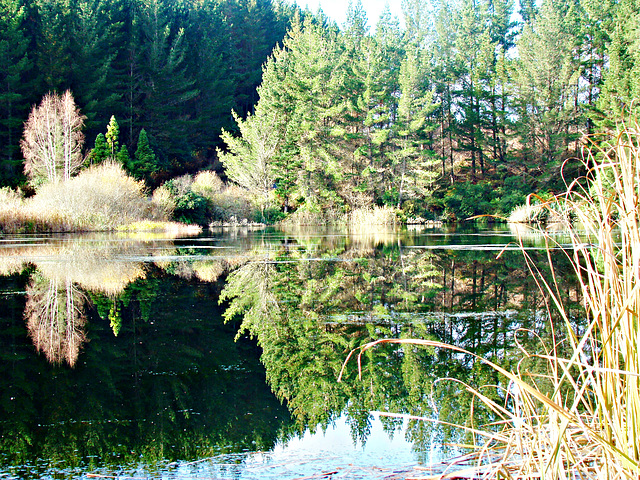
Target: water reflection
(308, 314)
(55, 317)
(173, 385)
(64, 270)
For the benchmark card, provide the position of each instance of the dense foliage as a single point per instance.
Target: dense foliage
(172, 68)
(463, 108)
(459, 112)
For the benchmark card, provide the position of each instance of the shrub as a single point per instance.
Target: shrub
(180, 185)
(164, 200)
(11, 204)
(207, 184)
(233, 203)
(101, 197)
(467, 199)
(192, 208)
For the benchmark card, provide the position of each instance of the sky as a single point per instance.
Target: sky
(337, 9)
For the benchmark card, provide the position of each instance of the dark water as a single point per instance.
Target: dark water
(218, 356)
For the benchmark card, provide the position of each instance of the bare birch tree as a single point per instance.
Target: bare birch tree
(53, 139)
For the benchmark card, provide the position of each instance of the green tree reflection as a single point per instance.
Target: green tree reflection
(308, 307)
(173, 383)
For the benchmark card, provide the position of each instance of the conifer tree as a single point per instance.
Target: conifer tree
(14, 67)
(471, 23)
(301, 86)
(379, 101)
(53, 48)
(546, 79)
(596, 32)
(249, 161)
(100, 151)
(413, 163)
(144, 162)
(445, 68)
(122, 157)
(208, 44)
(112, 136)
(166, 85)
(621, 86)
(96, 35)
(274, 99)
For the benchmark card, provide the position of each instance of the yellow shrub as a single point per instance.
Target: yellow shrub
(207, 184)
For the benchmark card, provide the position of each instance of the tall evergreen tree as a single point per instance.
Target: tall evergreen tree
(546, 77)
(621, 84)
(96, 34)
(144, 162)
(209, 60)
(14, 67)
(445, 69)
(471, 23)
(381, 99)
(597, 28)
(113, 136)
(249, 161)
(52, 54)
(100, 151)
(166, 86)
(413, 166)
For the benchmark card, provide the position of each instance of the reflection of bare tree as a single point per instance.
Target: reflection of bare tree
(55, 318)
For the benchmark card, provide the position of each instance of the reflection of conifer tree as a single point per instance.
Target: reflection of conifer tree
(55, 318)
(249, 290)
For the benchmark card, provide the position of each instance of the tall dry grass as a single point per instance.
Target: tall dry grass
(11, 202)
(103, 197)
(355, 220)
(579, 417)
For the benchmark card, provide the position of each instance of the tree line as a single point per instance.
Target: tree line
(173, 68)
(463, 110)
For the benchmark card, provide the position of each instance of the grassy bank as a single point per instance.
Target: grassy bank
(357, 218)
(579, 415)
(101, 198)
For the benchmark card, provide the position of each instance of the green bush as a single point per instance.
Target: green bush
(192, 208)
(466, 200)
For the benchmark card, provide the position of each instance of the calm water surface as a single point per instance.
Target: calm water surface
(218, 356)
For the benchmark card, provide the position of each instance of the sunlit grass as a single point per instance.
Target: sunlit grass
(368, 217)
(538, 210)
(101, 198)
(579, 416)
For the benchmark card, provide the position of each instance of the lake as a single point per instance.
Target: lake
(218, 356)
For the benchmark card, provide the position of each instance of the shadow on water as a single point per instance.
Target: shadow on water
(188, 357)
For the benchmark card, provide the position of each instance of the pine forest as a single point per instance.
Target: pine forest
(461, 108)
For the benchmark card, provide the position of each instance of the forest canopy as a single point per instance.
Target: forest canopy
(463, 108)
(173, 68)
